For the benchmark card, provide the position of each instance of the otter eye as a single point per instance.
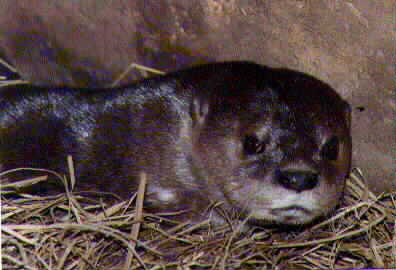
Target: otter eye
(252, 145)
(330, 149)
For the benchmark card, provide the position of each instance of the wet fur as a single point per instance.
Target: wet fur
(186, 130)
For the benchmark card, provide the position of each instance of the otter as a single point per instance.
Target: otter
(272, 145)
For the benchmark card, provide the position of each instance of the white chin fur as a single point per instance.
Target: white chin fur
(304, 200)
(289, 209)
(291, 216)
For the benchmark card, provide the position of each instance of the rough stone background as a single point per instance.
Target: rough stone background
(349, 44)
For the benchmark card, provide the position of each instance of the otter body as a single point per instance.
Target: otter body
(269, 144)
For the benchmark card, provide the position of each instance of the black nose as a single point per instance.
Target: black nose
(297, 180)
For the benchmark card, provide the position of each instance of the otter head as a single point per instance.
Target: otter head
(276, 145)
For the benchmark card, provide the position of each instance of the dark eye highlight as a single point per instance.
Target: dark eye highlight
(252, 145)
(330, 149)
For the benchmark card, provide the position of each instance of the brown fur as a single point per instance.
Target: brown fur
(269, 144)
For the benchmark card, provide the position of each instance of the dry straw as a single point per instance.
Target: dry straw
(69, 231)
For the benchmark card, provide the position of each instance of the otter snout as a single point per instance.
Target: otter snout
(297, 180)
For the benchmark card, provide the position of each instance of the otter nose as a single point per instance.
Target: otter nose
(297, 180)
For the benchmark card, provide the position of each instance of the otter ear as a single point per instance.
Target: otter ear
(199, 110)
